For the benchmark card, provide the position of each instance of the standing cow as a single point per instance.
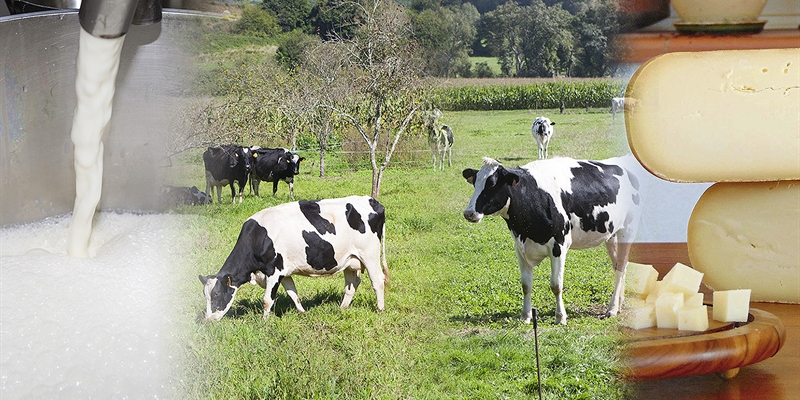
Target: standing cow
(553, 205)
(440, 138)
(308, 238)
(542, 131)
(274, 165)
(226, 165)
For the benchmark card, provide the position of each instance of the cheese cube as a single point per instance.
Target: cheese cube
(654, 292)
(667, 306)
(682, 278)
(697, 113)
(640, 278)
(692, 300)
(693, 318)
(731, 305)
(639, 317)
(745, 235)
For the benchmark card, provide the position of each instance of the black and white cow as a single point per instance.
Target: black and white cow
(274, 165)
(308, 238)
(440, 138)
(225, 165)
(542, 131)
(183, 195)
(553, 205)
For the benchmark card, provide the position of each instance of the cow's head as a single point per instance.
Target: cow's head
(219, 295)
(295, 162)
(542, 126)
(492, 193)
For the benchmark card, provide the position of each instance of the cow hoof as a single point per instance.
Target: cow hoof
(526, 320)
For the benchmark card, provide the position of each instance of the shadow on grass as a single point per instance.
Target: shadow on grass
(283, 304)
(486, 318)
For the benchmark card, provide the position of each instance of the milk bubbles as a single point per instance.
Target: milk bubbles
(89, 327)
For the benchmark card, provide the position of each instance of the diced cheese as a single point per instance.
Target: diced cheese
(640, 278)
(731, 305)
(717, 116)
(667, 306)
(682, 278)
(692, 300)
(655, 292)
(746, 236)
(639, 317)
(693, 318)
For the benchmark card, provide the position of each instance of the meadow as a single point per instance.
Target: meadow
(451, 327)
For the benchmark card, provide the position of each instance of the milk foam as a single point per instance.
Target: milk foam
(98, 62)
(100, 327)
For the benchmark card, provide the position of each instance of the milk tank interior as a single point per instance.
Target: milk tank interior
(38, 53)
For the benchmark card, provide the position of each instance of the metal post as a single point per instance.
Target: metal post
(536, 341)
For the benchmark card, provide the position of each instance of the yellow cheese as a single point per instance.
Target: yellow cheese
(731, 305)
(682, 278)
(640, 279)
(667, 305)
(639, 317)
(747, 236)
(693, 318)
(718, 116)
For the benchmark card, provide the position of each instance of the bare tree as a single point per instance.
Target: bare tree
(387, 85)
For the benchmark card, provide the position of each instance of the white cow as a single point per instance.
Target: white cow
(542, 131)
(440, 138)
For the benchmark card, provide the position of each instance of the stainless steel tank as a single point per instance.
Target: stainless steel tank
(38, 54)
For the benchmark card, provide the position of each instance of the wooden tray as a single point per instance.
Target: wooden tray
(725, 347)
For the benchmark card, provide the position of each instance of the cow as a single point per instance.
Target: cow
(553, 205)
(307, 238)
(622, 103)
(542, 131)
(274, 165)
(440, 138)
(225, 165)
(183, 195)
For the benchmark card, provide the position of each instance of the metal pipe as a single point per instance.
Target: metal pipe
(110, 19)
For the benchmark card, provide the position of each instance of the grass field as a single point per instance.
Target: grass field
(451, 328)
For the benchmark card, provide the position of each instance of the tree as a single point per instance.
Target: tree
(291, 14)
(387, 89)
(594, 24)
(446, 35)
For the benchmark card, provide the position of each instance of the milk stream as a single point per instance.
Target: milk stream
(98, 62)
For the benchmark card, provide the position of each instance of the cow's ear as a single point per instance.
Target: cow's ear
(510, 178)
(203, 279)
(301, 159)
(469, 174)
(552, 123)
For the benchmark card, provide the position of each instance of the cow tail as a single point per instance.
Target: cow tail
(383, 257)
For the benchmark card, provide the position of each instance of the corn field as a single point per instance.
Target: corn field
(536, 95)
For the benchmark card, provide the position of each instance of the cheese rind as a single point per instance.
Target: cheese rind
(717, 116)
(731, 305)
(746, 236)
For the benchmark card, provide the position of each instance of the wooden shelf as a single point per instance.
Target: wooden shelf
(640, 47)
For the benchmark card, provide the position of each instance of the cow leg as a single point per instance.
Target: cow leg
(271, 292)
(291, 190)
(351, 282)
(526, 278)
(275, 187)
(618, 252)
(291, 290)
(375, 270)
(557, 285)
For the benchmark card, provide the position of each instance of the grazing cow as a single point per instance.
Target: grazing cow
(224, 166)
(542, 131)
(440, 138)
(553, 205)
(308, 238)
(182, 195)
(274, 165)
(622, 103)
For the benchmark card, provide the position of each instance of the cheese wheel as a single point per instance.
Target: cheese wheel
(717, 116)
(747, 236)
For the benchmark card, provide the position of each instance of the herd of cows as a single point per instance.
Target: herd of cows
(549, 205)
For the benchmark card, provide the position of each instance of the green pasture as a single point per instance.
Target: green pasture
(451, 327)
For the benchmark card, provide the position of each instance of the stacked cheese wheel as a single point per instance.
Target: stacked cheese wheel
(730, 117)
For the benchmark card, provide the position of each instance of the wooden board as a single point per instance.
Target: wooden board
(664, 353)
